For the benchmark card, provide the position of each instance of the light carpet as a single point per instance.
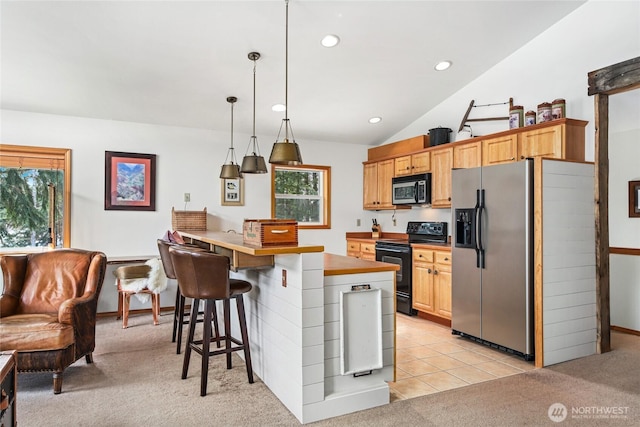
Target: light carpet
(135, 381)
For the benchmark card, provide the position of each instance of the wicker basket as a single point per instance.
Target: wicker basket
(189, 220)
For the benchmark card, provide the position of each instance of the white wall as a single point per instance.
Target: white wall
(553, 65)
(188, 160)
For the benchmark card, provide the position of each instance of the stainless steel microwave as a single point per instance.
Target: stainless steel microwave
(411, 190)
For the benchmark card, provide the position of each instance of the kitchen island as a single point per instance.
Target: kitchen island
(299, 331)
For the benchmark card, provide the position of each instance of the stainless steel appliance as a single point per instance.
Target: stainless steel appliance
(411, 190)
(397, 251)
(492, 274)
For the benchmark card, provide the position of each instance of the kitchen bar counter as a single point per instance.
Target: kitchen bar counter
(242, 255)
(300, 329)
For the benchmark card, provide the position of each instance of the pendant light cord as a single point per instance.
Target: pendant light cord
(286, 72)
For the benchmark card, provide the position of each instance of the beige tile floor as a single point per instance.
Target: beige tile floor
(430, 359)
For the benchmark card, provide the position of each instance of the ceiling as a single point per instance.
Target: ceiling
(175, 62)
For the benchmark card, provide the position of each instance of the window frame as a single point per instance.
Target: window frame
(14, 156)
(325, 172)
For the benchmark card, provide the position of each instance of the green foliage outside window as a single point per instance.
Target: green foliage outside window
(298, 195)
(24, 206)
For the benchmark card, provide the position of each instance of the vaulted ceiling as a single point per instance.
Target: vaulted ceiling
(175, 62)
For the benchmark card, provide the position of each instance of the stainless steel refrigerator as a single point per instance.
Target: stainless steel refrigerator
(492, 269)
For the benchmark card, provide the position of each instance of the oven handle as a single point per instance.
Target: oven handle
(404, 251)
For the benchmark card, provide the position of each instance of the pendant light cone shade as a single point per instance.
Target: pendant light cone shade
(254, 162)
(231, 169)
(286, 152)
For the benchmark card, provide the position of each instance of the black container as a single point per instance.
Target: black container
(438, 136)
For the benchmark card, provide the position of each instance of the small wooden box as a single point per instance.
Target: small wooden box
(189, 220)
(270, 232)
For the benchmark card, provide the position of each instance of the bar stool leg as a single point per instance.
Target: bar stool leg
(181, 304)
(192, 329)
(245, 336)
(215, 324)
(175, 317)
(206, 342)
(227, 330)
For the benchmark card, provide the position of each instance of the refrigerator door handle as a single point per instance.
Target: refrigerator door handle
(481, 208)
(476, 211)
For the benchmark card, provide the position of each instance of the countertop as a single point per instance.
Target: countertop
(336, 265)
(234, 242)
(366, 238)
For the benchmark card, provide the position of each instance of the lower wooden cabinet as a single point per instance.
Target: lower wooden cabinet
(432, 281)
(362, 250)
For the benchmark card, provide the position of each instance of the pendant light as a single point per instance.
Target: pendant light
(286, 152)
(254, 162)
(231, 170)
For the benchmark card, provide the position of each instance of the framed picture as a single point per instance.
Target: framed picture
(634, 199)
(129, 181)
(232, 192)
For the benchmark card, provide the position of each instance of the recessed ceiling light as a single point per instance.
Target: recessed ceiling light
(330, 40)
(374, 120)
(442, 65)
(278, 107)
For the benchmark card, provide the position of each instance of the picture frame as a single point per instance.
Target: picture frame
(129, 181)
(232, 192)
(634, 199)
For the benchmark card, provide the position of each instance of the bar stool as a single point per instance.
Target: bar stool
(205, 276)
(180, 316)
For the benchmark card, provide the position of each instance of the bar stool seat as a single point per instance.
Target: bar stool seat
(205, 276)
(180, 316)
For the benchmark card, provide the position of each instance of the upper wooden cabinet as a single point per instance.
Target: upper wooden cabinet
(502, 149)
(561, 140)
(442, 163)
(413, 164)
(467, 155)
(377, 184)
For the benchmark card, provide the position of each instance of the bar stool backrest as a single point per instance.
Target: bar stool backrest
(163, 247)
(201, 275)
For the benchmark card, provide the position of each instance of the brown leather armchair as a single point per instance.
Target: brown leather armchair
(48, 308)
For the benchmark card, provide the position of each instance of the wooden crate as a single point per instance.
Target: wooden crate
(398, 148)
(270, 232)
(189, 220)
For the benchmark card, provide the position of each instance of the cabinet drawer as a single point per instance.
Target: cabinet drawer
(353, 246)
(422, 255)
(368, 248)
(443, 258)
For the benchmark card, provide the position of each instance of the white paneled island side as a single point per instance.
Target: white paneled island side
(298, 329)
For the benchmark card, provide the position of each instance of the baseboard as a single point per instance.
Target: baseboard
(141, 311)
(625, 330)
(436, 319)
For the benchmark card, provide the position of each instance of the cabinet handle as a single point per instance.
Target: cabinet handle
(513, 158)
(428, 271)
(449, 198)
(420, 256)
(435, 271)
(446, 259)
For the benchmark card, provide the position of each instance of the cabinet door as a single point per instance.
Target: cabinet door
(467, 155)
(442, 283)
(545, 142)
(402, 166)
(503, 149)
(370, 184)
(385, 175)
(423, 287)
(442, 162)
(421, 163)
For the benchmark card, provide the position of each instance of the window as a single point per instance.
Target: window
(302, 193)
(35, 198)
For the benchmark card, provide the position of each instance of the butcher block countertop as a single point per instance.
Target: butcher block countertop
(336, 265)
(234, 242)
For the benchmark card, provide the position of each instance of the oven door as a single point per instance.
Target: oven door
(400, 255)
